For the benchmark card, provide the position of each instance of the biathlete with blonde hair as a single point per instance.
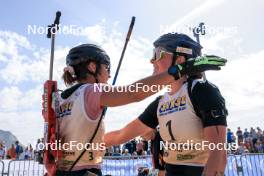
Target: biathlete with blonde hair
(193, 112)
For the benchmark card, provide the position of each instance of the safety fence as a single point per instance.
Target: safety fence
(2, 166)
(22, 168)
(127, 166)
(237, 165)
(245, 165)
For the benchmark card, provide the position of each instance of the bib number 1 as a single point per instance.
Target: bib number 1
(168, 124)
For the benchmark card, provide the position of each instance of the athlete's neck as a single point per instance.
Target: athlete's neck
(89, 79)
(175, 86)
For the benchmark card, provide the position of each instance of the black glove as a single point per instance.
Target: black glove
(197, 65)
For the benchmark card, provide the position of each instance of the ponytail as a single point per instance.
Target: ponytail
(77, 73)
(68, 78)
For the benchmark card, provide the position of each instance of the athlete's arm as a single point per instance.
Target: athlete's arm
(130, 131)
(217, 158)
(192, 66)
(146, 122)
(213, 116)
(113, 97)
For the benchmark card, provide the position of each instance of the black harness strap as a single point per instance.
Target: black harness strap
(189, 85)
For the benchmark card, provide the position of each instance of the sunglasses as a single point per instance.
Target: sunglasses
(158, 53)
(108, 68)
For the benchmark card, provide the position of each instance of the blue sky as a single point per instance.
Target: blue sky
(234, 31)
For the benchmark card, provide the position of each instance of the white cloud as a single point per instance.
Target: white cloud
(9, 99)
(24, 74)
(242, 85)
(15, 100)
(27, 126)
(213, 43)
(96, 33)
(26, 63)
(196, 12)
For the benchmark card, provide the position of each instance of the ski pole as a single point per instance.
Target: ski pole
(52, 29)
(197, 31)
(124, 48)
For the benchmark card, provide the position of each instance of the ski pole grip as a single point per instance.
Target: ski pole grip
(57, 19)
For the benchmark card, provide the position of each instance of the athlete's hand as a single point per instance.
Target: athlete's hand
(197, 65)
(203, 63)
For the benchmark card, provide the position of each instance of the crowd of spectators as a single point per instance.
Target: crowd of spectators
(135, 147)
(248, 141)
(16, 151)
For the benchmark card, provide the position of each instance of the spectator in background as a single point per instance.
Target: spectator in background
(126, 153)
(240, 149)
(116, 149)
(245, 134)
(2, 151)
(11, 153)
(262, 137)
(259, 133)
(251, 149)
(239, 134)
(41, 153)
(19, 150)
(134, 145)
(107, 152)
(229, 136)
(31, 151)
(27, 155)
(134, 153)
(37, 152)
(254, 136)
(129, 147)
(258, 147)
(139, 147)
(117, 152)
(145, 145)
(233, 138)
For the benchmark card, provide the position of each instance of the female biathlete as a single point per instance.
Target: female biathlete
(191, 117)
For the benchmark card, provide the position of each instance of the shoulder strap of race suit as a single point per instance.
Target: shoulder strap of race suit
(90, 141)
(189, 87)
